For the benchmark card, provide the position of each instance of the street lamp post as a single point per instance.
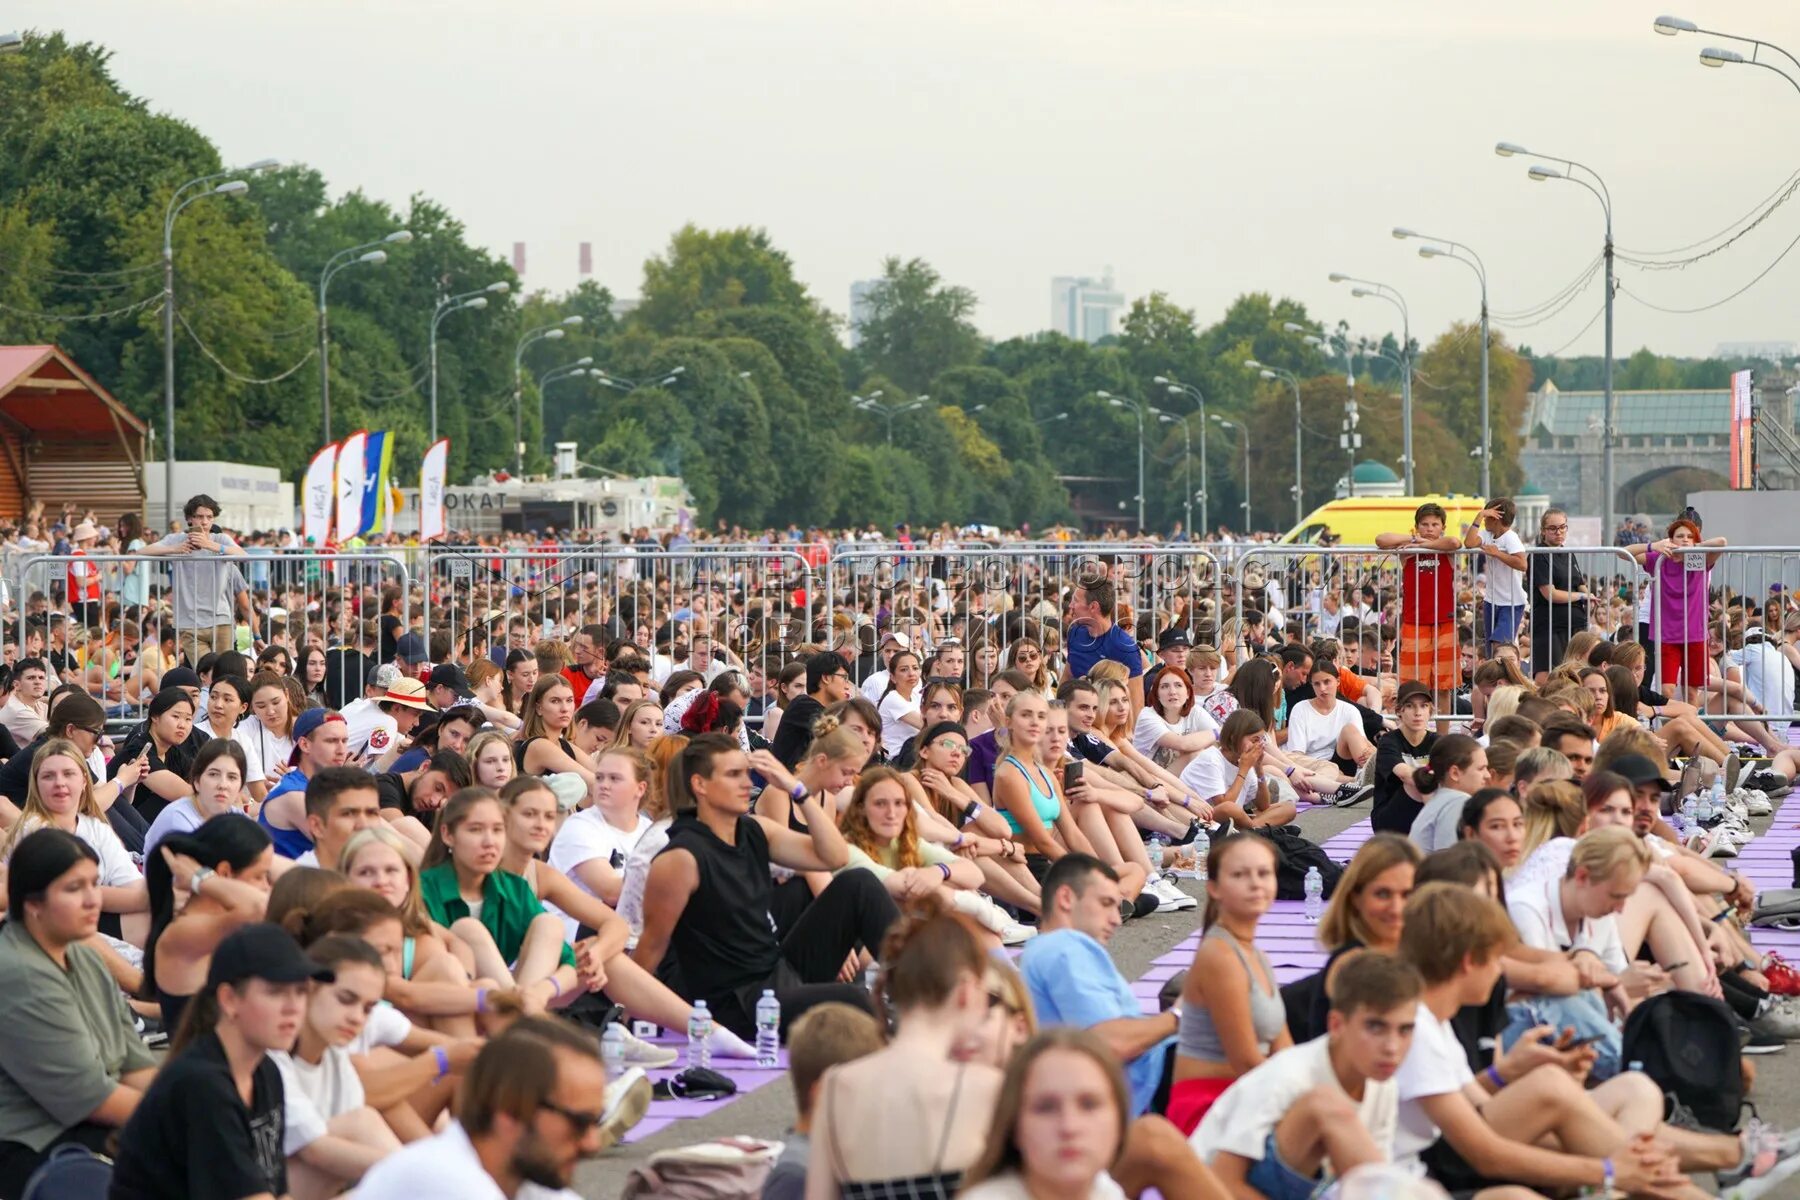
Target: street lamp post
(1187, 467)
(872, 404)
(1458, 252)
(567, 371)
(373, 255)
(1193, 393)
(1244, 429)
(1714, 57)
(236, 187)
(1137, 411)
(1293, 382)
(1609, 432)
(1382, 291)
(446, 306)
(628, 386)
(543, 333)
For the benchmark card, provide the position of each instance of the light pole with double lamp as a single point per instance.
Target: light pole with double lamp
(1176, 387)
(1458, 252)
(872, 403)
(371, 254)
(449, 304)
(1293, 382)
(1381, 291)
(1187, 466)
(1609, 425)
(235, 187)
(1137, 411)
(543, 333)
(1244, 429)
(1712, 56)
(628, 386)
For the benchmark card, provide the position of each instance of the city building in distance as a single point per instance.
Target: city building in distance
(1083, 308)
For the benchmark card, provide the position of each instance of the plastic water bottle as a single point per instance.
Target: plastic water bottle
(1315, 894)
(768, 1029)
(1690, 815)
(1154, 848)
(1717, 795)
(1202, 850)
(700, 1028)
(612, 1049)
(1703, 810)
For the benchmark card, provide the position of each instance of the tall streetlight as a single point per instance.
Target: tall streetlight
(543, 333)
(372, 254)
(1370, 289)
(446, 306)
(1609, 431)
(1222, 423)
(1442, 247)
(1712, 56)
(568, 371)
(235, 187)
(1175, 386)
(872, 404)
(1187, 467)
(1137, 411)
(1293, 382)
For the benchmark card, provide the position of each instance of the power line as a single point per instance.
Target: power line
(148, 301)
(1580, 281)
(1783, 190)
(1590, 324)
(241, 378)
(1758, 278)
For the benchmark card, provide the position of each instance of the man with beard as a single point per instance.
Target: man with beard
(534, 1104)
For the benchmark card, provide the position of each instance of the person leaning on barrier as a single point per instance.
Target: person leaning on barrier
(206, 594)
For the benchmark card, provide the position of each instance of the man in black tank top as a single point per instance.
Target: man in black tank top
(707, 895)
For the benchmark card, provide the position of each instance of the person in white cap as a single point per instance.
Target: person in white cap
(84, 578)
(876, 684)
(382, 721)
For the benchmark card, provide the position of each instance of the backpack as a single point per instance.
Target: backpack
(1777, 908)
(1293, 855)
(731, 1168)
(1688, 1044)
(70, 1172)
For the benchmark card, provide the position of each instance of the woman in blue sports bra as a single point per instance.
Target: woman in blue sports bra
(1025, 793)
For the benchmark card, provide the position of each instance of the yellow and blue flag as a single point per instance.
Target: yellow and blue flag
(380, 459)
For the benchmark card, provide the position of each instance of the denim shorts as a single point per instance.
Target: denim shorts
(1500, 622)
(1275, 1179)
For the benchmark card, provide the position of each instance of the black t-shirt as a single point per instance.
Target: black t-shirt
(794, 734)
(1092, 747)
(1393, 811)
(1478, 1027)
(725, 939)
(15, 773)
(391, 629)
(1563, 573)
(191, 1135)
(1649, 697)
(390, 788)
(1298, 696)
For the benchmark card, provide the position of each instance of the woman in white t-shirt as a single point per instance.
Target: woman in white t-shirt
(1326, 727)
(266, 735)
(331, 1134)
(1172, 728)
(900, 715)
(1228, 776)
(1062, 1127)
(61, 794)
(593, 844)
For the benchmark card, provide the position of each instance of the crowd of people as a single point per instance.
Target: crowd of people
(306, 896)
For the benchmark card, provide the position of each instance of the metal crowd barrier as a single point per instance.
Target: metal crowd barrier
(480, 599)
(1745, 599)
(102, 618)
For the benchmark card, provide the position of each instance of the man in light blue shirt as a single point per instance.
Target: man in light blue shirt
(1072, 979)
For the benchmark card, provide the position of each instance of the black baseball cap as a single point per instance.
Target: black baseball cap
(1639, 770)
(1168, 639)
(451, 676)
(411, 647)
(263, 951)
(1408, 690)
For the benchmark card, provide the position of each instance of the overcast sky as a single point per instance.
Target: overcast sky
(1201, 147)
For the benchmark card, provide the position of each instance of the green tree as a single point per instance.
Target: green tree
(709, 272)
(918, 326)
(1448, 386)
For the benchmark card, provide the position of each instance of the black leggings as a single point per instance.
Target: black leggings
(129, 824)
(18, 1161)
(854, 910)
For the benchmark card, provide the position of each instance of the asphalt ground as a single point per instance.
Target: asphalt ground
(769, 1111)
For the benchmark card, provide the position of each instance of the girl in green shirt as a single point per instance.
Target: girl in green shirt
(462, 884)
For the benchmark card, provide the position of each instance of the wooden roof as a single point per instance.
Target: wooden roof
(42, 391)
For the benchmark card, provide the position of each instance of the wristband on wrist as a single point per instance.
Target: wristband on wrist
(556, 986)
(945, 868)
(481, 995)
(958, 844)
(798, 791)
(443, 1062)
(1606, 1176)
(1493, 1074)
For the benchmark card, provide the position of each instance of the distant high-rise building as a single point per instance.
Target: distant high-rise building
(860, 310)
(519, 258)
(586, 263)
(1083, 308)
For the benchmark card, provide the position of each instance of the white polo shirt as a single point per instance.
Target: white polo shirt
(1536, 912)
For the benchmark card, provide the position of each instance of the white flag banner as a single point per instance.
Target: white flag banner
(316, 496)
(352, 467)
(432, 473)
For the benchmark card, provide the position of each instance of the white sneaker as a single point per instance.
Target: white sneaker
(1756, 803)
(648, 1055)
(1722, 847)
(1169, 897)
(1014, 934)
(627, 1099)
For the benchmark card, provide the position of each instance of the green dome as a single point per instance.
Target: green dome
(1373, 472)
(1533, 491)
